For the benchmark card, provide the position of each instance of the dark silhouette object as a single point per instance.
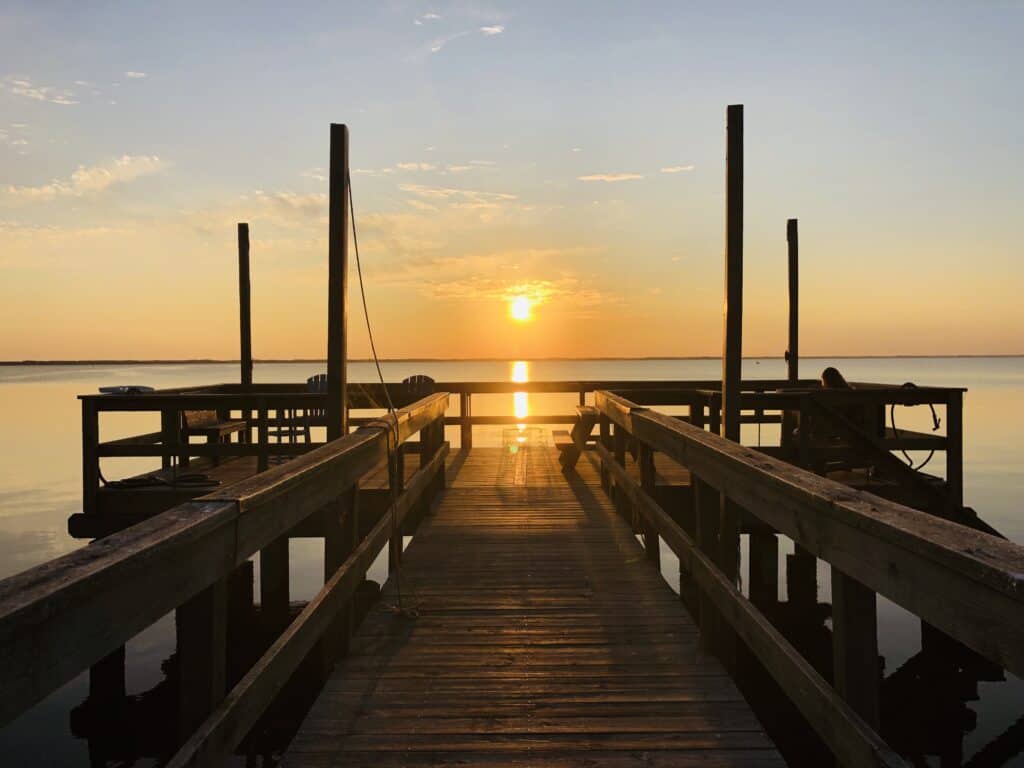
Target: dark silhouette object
(419, 385)
(831, 378)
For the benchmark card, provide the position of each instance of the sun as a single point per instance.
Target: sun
(521, 308)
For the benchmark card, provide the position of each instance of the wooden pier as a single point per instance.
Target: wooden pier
(539, 635)
(528, 621)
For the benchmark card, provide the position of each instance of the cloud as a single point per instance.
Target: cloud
(497, 29)
(441, 42)
(135, 75)
(576, 149)
(429, 16)
(459, 197)
(610, 177)
(21, 86)
(317, 174)
(416, 166)
(482, 162)
(677, 169)
(90, 180)
(459, 168)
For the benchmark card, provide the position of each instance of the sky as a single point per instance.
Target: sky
(572, 153)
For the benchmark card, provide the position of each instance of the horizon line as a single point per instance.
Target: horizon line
(603, 358)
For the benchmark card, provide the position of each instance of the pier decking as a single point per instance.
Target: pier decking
(543, 636)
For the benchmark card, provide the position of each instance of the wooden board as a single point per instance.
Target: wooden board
(538, 635)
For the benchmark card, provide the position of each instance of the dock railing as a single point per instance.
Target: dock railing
(966, 583)
(65, 616)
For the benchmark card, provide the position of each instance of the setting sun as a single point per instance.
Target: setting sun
(521, 308)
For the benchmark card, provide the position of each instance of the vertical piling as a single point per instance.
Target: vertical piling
(337, 277)
(793, 348)
(244, 305)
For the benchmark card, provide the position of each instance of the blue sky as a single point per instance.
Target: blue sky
(570, 151)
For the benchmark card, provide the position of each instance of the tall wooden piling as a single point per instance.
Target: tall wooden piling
(244, 306)
(732, 354)
(337, 277)
(793, 348)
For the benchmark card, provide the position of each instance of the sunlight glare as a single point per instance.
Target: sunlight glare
(521, 308)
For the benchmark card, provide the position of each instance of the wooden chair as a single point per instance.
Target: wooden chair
(209, 425)
(318, 384)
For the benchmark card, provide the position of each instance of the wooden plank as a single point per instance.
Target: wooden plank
(539, 630)
(967, 583)
(838, 724)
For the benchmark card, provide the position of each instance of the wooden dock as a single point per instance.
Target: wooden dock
(535, 633)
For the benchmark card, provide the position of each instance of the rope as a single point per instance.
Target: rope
(936, 422)
(410, 612)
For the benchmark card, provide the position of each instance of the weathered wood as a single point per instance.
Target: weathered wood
(202, 655)
(839, 725)
(540, 633)
(965, 582)
(732, 352)
(337, 284)
(214, 741)
(793, 253)
(274, 582)
(955, 449)
(244, 306)
(652, 546)
(466, 426)
(90, 460)
(857, 675)
(764, 570)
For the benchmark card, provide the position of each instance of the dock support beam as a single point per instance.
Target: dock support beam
(855, 646)
(337, 288)
(793, 348)
(466, 413)
(244, 306)
(202, 655)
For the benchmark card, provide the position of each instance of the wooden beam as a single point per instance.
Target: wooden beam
(965, 582)
(202, 655)
(856, 674)
(732, 353)
(274, 583)
(465, 413)
(793, 349)
(244, 306)
(337, 285)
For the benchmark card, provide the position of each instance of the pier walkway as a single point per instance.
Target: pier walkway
(538, 634)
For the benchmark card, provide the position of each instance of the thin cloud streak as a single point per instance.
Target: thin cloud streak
(611, 177)
(91, 180)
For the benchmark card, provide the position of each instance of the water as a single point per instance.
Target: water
(40, 486)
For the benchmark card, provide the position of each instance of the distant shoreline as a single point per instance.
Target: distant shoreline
(212, 361)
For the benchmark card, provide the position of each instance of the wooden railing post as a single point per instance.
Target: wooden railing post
(856, 673)
(618, 499)
(705, 503)
(202, 655)
(274, 583)
(90, 457)
(764, 570)
(648, 479)
(605, 435)
(107, 679)
(262, 438)
(341, 536)
(396, 484)
(465, 414)
(955, 450)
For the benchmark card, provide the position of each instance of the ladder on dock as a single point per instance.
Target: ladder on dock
(534, 631)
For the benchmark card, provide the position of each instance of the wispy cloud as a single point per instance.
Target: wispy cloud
(429, 16)
(457, 196)
(610, 177)
(416, 166)
(316, 174)
(677, 169)
(135, 75)
(459, 168)
(90, 180)
(577, 149)
(496, 29)
(21, 86)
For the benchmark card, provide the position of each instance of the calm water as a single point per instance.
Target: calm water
(40, 486)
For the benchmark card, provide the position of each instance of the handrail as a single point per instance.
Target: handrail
(966, 583)
(62, 616)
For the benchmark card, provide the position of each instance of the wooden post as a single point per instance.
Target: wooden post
(764, 570)
(793, 348)
(202, 655)
(648, 478)
(856, 672)
(955, 450)
(732, 354)
(274, 585)
(396, 483)
(337, 279)
(802, 580)
(107, 679)
(262, 439)
(605, 432)
(620, 459)
(90, 457)
(466, 412)
(705, 503)
(244, 305)
(341, 534)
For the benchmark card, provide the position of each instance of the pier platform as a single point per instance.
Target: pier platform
(532, 631)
